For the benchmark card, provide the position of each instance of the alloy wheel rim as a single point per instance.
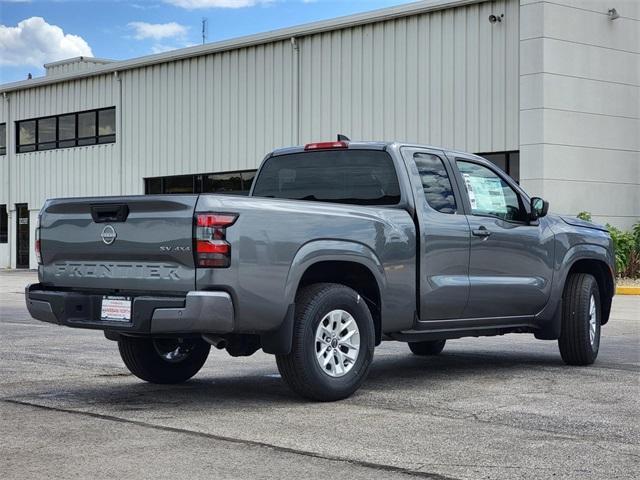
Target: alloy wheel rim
(593, 320)
(337, 343)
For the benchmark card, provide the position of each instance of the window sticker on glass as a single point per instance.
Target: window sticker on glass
(485, 194)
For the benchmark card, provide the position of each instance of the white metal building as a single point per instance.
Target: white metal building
(550, 89)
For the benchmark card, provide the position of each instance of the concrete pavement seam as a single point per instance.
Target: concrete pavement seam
(334, 458)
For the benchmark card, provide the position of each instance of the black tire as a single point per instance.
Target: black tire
(148, 358)
(433, 347)
(300, 369)
(576, 347)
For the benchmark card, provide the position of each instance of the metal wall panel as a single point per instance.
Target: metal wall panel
(33, 177)
(217, 112)
(445, 78)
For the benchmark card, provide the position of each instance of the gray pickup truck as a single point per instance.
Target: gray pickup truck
(339, 245)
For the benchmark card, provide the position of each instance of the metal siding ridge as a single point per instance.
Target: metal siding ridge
(339, 23)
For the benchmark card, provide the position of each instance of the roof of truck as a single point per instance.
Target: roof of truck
(371, 145)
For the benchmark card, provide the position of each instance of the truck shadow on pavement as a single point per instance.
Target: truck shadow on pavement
(246, 388)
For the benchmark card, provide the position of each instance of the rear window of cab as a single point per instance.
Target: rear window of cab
(360, 177)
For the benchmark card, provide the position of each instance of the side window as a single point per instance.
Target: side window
(435, 183)
(489, 194)
(3, 138)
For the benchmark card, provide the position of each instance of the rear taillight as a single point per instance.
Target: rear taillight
(37, 245)
(211, 248)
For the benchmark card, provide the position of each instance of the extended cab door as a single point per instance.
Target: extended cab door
(444, 235)
(511, 258)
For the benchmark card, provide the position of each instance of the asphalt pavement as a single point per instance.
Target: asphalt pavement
(489, 408)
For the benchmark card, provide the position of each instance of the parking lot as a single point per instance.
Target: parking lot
(502, 407)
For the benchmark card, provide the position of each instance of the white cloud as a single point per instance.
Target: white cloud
(194, 4)
(35, 42)
(157, 31)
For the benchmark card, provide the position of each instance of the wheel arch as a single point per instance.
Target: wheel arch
(604, 278)
(582, 258)
(348, 263)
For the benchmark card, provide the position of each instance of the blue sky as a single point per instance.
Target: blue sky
(39, 31)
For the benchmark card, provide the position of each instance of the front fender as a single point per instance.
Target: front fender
(549, 319)
(333, 250)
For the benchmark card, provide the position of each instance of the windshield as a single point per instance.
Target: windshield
(362, 177)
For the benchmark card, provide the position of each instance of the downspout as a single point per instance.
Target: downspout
(296, 90)
(9, 157)
(9, 150)
(119, 131)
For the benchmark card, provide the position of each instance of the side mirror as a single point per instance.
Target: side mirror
(539, 208)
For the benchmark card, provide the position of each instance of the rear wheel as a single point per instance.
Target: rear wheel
(579, 340)
(163, 360)
(333, 342)
(433, 347)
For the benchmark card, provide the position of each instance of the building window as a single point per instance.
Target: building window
(509, 162)
(3, 138)
(4, 222)
(68, 130)
(230, 183)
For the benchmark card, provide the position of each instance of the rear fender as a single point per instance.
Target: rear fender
(279, 341)
(337, 251)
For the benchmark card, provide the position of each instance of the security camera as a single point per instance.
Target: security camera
(495, 18)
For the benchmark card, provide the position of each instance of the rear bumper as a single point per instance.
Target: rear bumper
(195, 313)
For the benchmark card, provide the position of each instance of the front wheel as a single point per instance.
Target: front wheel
(579, 340)
(163, 360)
(333, 342)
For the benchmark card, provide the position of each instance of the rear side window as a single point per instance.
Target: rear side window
(435, 183)
(362, 177)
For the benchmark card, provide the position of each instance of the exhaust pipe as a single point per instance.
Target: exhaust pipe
(218, 342)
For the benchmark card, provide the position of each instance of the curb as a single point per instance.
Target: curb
(627, 290)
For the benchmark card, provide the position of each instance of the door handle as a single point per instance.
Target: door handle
(481, 232)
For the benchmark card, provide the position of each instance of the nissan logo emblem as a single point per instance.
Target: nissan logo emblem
(108, 235)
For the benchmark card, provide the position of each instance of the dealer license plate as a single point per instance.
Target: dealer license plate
(116, 309)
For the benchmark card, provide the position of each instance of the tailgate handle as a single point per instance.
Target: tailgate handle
(109, 212)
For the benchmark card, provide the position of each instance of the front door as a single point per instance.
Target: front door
(444, 236)
(511, 258)
(22, 235)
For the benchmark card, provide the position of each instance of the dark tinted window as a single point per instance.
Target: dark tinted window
(489, 194)
(107, 122)
(4, 220)
(362, 177)
(87, 127)
(153, 186)
(435, 183)
(27, 136)
(67, 127)
(181, 184)
(46, 133)
(509, 162)
(229, 183)
(3, 138)
(247, 181)
(67, 130)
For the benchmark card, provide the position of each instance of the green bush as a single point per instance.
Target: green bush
(584, 216)
(626, 246)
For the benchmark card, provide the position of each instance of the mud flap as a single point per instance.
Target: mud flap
(278, 342)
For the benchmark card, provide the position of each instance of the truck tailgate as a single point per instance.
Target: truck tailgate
(128, 244)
